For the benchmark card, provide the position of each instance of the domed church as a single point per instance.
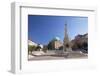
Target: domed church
(55, 43)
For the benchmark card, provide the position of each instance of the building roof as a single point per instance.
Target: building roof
(56, 38)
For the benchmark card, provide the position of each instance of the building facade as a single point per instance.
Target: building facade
(55, 44)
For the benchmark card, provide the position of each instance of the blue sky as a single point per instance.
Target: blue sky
(42, 28)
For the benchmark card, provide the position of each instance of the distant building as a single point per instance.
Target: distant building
(81, 36)
(80, 43)
(31, 43)
(55, 44)
(36, 46)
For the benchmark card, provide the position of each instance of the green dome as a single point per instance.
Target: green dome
(56, 38)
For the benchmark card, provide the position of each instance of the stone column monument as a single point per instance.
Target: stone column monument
(66, 42)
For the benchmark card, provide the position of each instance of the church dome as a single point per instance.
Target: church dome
(57, 38)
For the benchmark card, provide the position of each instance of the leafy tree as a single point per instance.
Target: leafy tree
(50, 47)
(31, 48)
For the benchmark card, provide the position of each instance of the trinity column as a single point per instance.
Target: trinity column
(66, 42)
